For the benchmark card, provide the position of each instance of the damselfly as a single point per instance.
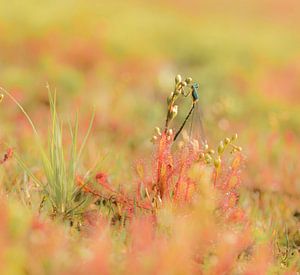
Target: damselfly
(196, 125)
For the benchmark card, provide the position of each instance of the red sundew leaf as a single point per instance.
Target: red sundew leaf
(138, 190)
(237, 215)
(236, 163)
(163, 162)
(102, 179)
(8, 155)
(233, 182)
(37, 224)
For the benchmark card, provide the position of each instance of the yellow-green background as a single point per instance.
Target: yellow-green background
(122, 56)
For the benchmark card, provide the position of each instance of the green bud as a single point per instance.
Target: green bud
(234, 137)
(201, 156)
(157, 131)
(173, 112)
(227, 141)
(188, 80)
(236, 149)
(217, 162)
(208, 158)
(221, 148)
(177, 92)
(178, 78)
(211, 152)
(169, 99)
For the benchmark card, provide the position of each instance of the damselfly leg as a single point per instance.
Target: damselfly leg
(184, 122)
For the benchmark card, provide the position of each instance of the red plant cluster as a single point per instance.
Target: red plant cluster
(104, 191)
(168, 179)
(228, 183)
(171, 170)
(8, 155)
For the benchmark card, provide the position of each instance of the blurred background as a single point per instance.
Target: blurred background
(121, 57)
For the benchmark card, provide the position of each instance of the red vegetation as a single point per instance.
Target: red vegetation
(169, 179)
(8, 155)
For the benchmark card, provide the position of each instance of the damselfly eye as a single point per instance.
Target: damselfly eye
(195, 85)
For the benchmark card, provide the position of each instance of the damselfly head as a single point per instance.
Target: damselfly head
(195, 94)
(195, 86)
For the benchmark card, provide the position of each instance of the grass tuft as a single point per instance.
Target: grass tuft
(60, 190)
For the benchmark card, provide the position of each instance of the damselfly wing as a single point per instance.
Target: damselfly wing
(194, 118)
(196, 129)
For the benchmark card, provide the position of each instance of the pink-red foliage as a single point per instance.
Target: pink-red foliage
(8, 155)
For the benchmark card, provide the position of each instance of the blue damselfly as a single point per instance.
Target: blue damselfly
(196, 131)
